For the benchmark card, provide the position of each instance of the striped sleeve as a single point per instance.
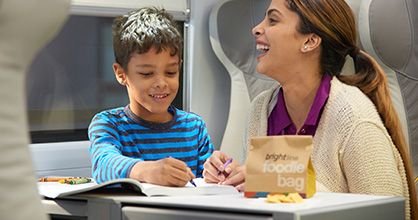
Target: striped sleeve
(205, 148)
(105, 149)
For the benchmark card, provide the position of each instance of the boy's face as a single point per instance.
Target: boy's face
(152, 81)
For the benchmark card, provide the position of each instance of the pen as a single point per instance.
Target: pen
(226, 164)
(191, 180)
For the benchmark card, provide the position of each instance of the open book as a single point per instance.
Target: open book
(54, 189)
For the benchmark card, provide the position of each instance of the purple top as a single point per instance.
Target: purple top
(279, 122)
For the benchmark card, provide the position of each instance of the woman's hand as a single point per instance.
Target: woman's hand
(165, 172)
(232, 174)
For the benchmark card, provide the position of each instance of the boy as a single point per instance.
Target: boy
(143, 139)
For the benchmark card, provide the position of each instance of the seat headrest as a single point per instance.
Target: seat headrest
(387, 29)
(236, 39)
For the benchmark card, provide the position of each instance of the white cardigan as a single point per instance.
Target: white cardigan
(353, 152)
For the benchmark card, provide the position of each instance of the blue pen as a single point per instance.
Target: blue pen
(226, 164)
(191, 181)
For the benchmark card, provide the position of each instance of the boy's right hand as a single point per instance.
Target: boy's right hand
(165, 172)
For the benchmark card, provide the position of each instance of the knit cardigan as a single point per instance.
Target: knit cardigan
(353, 152)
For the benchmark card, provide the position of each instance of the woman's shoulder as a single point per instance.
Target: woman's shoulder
(348, 107)
(343, 96)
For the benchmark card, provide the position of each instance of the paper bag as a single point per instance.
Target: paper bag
(280, 164)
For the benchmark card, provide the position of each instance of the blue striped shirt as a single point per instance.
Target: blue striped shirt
(119, 139)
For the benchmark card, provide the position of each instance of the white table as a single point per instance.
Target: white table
(321, 206)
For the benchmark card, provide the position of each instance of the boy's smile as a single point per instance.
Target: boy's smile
(152, 81)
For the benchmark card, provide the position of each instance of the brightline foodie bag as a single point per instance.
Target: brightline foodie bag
(280, 164)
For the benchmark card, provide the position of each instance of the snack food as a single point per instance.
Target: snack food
(284, 197)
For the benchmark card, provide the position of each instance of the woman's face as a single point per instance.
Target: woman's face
(278, 38)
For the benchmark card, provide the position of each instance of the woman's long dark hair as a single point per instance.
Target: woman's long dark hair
(333, 21)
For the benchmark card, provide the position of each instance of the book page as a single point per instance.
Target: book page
(55, 189)
(202, 188)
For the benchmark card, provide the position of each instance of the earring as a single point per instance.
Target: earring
(305, 47)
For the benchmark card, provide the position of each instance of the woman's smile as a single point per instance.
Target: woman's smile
(262, 47)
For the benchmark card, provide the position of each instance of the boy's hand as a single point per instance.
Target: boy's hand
(165, 172)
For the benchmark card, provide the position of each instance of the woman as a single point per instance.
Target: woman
(359, 144)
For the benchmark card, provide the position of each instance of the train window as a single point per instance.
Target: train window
(72, 79)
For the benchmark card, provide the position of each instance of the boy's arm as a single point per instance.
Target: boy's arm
(205, 148)
(107, 160)
(166, 172)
